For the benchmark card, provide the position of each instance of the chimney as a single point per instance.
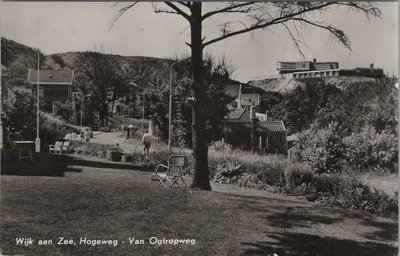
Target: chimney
(239, 97)
(371, 65)
(314, 60)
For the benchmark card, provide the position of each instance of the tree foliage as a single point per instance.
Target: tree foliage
(19, 112)
(356, 130)
(361, 104)
(299, 108)
(218, 74)
(96, 77)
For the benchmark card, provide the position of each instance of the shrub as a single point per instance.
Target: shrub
(369, 150)
(220, 145)
(267, 173)
(151, 160)
(349, 192)
(228, 172)
(51, 131)
(322, 149)
(297, 175)
(90, 148)
(217, 160)
(254, 169)
(65, 110)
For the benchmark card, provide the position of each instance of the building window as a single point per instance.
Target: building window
(41, 92)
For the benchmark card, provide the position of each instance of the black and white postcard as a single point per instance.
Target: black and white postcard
(199, 128)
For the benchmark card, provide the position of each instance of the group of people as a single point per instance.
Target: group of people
(147, 138)
(130, 131)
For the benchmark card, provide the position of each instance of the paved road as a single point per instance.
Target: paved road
(126, 145)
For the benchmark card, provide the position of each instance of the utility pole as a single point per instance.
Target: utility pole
(170, 102)
(143, 112)
(37, 142)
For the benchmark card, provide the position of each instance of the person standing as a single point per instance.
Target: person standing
(146, 141)
(132, 131)
(86, 134)
(128, 130)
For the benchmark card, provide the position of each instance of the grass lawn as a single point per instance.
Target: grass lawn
(97, 199)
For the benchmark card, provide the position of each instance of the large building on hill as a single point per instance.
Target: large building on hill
(54, 86)
(310, 69)
(290, 67)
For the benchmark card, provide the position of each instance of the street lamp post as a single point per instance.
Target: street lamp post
(170, 102)
(37, 141)
(144, 95)
(83, 98)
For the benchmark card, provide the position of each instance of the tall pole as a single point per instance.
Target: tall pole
(143, 113)
(81, 111)
(37, 142)
(123, 118)
(170, 102)
(170, 108)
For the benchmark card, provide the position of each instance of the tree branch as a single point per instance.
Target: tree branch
(160, 10)
(230, 8)
(185, 4)
(339, 34)
(263, 24)
(179, 11)
(295, 41)
(120, 12)
(366, 8)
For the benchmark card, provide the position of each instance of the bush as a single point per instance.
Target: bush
(91, 149)
(220, 145)
(65, 110)
(267, 173)
(51, 131)
(215, 161)
(297, 175)
(151, 160)
(322, 149)
(369, 150)
(339, 190)
(228, 172)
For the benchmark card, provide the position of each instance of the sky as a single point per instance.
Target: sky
(56, 27)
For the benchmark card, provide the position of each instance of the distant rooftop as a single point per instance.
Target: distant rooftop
(295, 66)
(62, 76)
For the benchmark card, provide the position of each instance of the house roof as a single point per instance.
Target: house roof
(273, 126)
(243, 116)
(236, 113)
(238, 116)
(62, 76)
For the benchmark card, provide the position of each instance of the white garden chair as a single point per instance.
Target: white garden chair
(170, 176)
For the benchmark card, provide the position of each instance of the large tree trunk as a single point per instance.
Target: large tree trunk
(199, 139)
